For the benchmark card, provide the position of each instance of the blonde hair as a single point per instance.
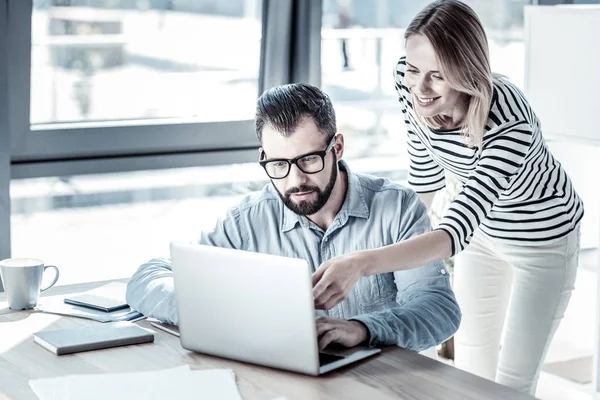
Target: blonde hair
(461, 48)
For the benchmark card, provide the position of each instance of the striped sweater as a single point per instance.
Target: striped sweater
(513, 189)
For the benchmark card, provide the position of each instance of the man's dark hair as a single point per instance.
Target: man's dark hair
(284, 107)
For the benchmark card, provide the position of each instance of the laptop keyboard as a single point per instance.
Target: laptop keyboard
(325, 358)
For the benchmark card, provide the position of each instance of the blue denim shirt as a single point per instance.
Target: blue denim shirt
(415, 309)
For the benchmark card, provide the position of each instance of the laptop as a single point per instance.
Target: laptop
(251, 307)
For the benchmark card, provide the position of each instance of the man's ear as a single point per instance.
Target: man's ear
(261, 154)
(338, 147)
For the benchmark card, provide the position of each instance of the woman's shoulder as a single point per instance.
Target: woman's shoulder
(508, 105)
(400, 70)
(401, 89)
(503, 83)
(402, 62)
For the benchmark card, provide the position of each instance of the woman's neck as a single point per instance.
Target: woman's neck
(455, 117)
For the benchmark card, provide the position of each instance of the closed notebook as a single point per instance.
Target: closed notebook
(100, 303)
(67, 341)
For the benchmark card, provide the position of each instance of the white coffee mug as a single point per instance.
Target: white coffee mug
(22, 280)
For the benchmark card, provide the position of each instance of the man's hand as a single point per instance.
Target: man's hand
(346, 333)
(335, 279)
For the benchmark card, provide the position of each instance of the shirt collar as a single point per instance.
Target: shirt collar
(354, 205)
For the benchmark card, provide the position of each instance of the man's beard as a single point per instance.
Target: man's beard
(311, 207)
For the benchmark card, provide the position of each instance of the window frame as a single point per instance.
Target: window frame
(4, 143)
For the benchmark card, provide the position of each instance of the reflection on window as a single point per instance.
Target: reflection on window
(99, 60)
(361, 42)
(99, 227)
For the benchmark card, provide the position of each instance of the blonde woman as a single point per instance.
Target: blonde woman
(514, 227)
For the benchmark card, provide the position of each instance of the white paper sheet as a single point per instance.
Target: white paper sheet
(176, 383)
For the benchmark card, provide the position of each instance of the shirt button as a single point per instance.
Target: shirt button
(442, 271)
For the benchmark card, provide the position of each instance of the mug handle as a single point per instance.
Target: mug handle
(55, 278)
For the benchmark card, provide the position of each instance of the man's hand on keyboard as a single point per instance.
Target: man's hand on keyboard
(346, 333)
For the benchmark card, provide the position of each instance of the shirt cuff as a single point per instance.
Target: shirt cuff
(366, 321)
(454, 239)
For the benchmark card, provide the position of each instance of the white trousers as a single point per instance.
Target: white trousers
(512, 300)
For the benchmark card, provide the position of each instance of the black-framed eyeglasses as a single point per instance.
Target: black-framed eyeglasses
(309, 163)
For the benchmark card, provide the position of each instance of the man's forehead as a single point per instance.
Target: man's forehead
(302, 140)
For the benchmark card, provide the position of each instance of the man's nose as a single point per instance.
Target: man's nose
(296, 177)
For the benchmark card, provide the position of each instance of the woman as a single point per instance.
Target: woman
(514, 227)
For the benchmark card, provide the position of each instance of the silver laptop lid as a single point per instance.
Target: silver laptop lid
(246, 306)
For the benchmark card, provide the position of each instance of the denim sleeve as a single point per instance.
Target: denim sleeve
(427, 313)
(151, 291)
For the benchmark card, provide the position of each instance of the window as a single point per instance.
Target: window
(104, 87)
(122, 60)
(358, 53)
(503, 22)
(99, 227)
(130, 80)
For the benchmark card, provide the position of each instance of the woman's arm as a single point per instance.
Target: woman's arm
(420, 250)
(335, 278)
(423, 249)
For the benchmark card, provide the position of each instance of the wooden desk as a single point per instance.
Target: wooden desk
(394, 374)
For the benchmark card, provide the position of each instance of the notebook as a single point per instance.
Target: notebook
(67, 341)
(95, 302)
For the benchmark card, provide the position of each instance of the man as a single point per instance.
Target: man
(316, 209)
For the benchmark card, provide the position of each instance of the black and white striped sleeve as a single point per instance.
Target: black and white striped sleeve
(503, 152)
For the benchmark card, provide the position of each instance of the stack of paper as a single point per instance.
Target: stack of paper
(176, 383)
(113, 290)
(58, 306)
